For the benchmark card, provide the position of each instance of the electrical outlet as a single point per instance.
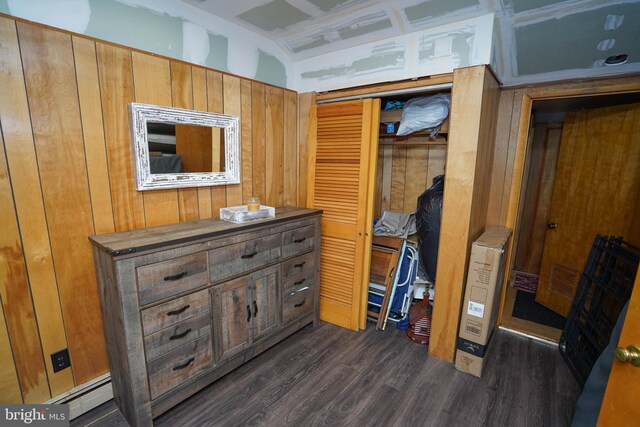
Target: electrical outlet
(60, 360)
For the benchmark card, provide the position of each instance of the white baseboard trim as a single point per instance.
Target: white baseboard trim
(87, 396)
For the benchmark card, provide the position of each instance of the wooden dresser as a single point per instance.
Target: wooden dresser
(184, 304)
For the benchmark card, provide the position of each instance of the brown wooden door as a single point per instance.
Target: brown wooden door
(596, 191)
(620, 403)
(265, 306)
(232, 314)
(341, 178)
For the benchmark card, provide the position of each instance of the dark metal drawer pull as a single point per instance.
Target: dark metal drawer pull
(300, 304)
(251, 255)
(248, 313)
(299, 282)
(299, 265)
(300, 240)
(184, 365)
(176, 276)
(255, 308)
(178, 336)
(178, 311)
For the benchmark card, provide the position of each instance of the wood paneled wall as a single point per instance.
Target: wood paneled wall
(66, 172)
(474, 105)
(404, 172)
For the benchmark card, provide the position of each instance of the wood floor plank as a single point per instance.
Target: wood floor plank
(331, 376)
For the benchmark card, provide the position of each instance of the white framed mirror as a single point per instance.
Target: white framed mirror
(177, 148)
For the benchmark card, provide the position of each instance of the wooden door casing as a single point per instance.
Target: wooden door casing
(596, 188)
(341, 178)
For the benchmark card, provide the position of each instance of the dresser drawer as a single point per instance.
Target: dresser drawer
(298, 265)
(175, 311)
(297, 302)
(167, 278)
(298, 241)
(168, 339)
(174, 368)
(236, 259)
(306, 278)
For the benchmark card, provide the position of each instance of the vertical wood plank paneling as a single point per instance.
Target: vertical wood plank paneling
(76, 115)
(116, 92)
(55, 116)
(152, 84)
(14, 293)
(436, 162)
(290, 154)
(415, 176)
(259, 150)
(233, 107)
(398, 168)
(274, 144)
(199, 82)
(182, 97)
(505, 109)
(377, 203)
(387, 168)
(93, 133)
(17, 298)
(215, 97)
(246, 121)
(305, 102)
(9, 386)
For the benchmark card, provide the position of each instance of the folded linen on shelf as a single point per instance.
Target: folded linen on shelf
(395, 224)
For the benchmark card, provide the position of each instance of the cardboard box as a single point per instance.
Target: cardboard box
(481, 299)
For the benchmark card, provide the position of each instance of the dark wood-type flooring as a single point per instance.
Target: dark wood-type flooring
(331, 376)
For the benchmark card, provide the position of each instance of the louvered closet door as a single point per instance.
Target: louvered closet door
(342, 178)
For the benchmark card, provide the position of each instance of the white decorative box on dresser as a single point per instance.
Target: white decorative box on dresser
(184, 304)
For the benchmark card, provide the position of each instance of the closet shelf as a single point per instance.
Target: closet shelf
(404, 141)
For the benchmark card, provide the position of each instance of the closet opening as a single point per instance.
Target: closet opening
(581, 178)
(408, 167)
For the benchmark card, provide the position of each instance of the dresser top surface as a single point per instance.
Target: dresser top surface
(133, 241)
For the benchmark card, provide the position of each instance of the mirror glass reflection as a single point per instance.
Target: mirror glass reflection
(185, 148)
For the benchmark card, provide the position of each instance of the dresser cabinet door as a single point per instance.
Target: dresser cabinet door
(265, 304)
(232, 314)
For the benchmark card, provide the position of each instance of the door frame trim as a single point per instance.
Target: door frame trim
(599, 87)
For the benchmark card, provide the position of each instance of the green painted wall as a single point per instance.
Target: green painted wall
(136, 27)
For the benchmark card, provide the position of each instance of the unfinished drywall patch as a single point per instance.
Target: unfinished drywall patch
(431, 9)
(72, 15)
(580, 38)
(518, 6)
(417, 54)
(309, 43)
(275, 15)
(452, 49)
(270, 69)
(218, 52)
(137, 27)
(366, 24)
(327, 5)
(384, 56)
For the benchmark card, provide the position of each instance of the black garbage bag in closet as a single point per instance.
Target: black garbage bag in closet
(428, 217)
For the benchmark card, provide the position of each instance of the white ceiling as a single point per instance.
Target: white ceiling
(534, 40)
